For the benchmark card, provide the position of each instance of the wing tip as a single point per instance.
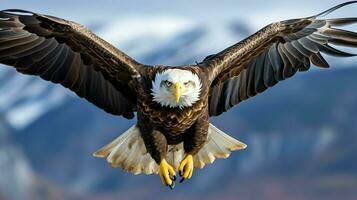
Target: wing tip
(17, 11)
(327, 12)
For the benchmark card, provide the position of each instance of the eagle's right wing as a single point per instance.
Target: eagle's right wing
(273, 54)
(64, 52)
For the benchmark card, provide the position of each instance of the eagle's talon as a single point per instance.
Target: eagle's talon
(182, 179)
(172, 186)
(186, 168)
(166, 172)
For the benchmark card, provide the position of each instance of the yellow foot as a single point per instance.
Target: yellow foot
(186, 167)
(167, 174)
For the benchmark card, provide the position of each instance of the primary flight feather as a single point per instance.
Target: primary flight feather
(173, 104)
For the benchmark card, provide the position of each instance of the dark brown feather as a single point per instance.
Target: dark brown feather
(161, 126)
(274, 53)
(64, 52)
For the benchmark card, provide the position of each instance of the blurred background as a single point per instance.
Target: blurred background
(301, 134)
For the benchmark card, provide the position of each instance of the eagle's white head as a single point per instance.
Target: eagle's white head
(176, 88)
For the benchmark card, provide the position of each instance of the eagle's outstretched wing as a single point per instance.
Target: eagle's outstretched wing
(64, 52)
(273, 54)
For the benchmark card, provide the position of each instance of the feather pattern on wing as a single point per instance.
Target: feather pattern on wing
(273, 54)
(64, 52)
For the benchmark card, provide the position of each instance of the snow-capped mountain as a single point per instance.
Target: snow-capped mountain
(290, 130)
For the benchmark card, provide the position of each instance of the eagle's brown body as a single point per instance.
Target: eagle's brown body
(64, 52)
(161, 126)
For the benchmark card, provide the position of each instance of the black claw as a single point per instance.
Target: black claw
(180, 173)
(172, 186)
(173, 178)
(182, 179)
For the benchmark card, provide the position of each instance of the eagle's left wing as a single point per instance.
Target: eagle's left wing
(273, 54)
(66, 53)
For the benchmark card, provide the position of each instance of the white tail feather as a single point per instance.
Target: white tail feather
(129, 153)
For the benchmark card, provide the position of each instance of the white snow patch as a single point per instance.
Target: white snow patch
(132, 28)
(24, 114)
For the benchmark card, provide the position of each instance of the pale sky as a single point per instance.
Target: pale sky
(258, 12)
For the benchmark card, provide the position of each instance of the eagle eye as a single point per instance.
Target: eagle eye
(167, 83)
(189, 83)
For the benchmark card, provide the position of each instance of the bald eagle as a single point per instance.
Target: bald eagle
(173, 103)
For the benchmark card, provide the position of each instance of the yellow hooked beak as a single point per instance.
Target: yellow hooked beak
(177, 91)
